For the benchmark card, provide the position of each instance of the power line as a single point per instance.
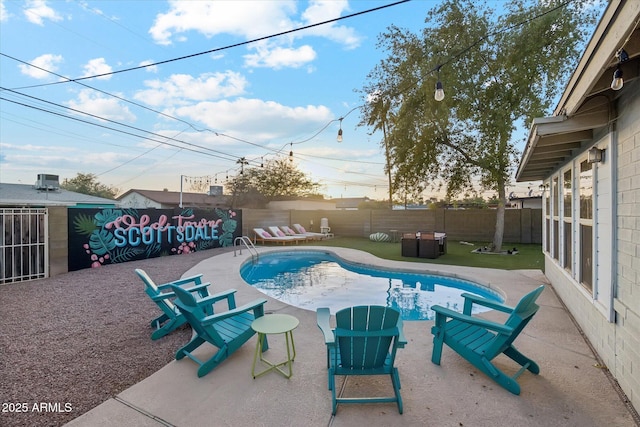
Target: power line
(222, 48)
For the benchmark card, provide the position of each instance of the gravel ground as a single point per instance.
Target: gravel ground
(75, 340)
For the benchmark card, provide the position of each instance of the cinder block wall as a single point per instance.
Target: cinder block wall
(58, 241)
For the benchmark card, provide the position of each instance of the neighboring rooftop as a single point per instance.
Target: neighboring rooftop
(19, 195)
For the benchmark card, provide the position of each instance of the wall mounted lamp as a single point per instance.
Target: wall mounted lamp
(618, 82)
(595, 155)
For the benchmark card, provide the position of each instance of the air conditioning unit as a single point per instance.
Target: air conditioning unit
(47, 182)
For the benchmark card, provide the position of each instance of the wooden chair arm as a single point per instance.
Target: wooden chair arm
(323, 316)
(197, 279)
(211, 299)
(443, 313)
(253, 305)
(470, 299)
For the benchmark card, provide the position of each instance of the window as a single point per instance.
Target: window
(586, 224)
(547, 219)
(556, 202)
(567, 220)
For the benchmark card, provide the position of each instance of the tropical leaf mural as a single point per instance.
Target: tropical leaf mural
(106, 216)
(101, 242)
(84, 225)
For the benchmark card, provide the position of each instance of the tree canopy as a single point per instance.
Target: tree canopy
(87, 183)
(498, 71)
(278, 177)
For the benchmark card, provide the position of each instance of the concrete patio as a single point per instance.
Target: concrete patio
(571, 390)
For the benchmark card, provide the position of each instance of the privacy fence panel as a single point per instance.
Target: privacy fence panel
(23, 248)
(109, 236)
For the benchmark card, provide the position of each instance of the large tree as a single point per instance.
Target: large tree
(277, 177)
(87, 183)
(498, 70)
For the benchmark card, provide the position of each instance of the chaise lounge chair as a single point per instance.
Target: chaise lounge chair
(275, 231)
(300, 229)
(263, 236)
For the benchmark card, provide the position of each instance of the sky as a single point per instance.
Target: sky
(192, 119)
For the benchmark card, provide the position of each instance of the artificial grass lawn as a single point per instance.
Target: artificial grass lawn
(528, 256)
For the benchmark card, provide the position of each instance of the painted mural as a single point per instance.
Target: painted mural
(108, 236)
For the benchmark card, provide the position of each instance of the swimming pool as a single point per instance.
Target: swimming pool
(310, 279)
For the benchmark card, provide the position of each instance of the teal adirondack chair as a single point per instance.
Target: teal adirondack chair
(480, 341)
(226, 330)
(171, 318)
(364, 342)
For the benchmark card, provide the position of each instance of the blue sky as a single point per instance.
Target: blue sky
(255, 100)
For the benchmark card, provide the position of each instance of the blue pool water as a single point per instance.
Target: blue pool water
(311, 279)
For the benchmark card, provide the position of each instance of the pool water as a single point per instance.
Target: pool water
(311, 279)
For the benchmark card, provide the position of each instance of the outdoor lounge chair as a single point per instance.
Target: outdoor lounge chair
(480, 341)
(364, 342)
(275, 231)
(324, 227)
(263, 236)
(301, 230)
(288, 231)
(225, 330)
(171, 318)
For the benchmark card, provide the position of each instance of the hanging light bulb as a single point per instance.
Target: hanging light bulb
(439, 95)
(291, 153)
(339, 139)
(618, 81)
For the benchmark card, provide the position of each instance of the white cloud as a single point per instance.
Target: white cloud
(96, 67)
(151, 68)
(99, 105)
(4, 14)
(47, 62)
(279, 57)
(250, 19)
(324, 10)
(36, 11)
(239, 18)
(180, 88)
(257, 120)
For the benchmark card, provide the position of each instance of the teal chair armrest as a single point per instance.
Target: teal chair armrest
(323, 316)
(470, 299)
(253, 305)
(162, 296)
(402, 340)
(444, 313)
(197, 279)
(228, 295)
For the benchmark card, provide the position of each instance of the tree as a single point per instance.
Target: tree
(87, 183)
(498, 71)
(278, 177)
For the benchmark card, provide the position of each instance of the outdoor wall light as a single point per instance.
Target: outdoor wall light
(595, 155)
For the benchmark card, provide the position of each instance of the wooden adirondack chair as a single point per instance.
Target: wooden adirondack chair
(364, 342)
(480, 341)
(171, 318)
(226, 330)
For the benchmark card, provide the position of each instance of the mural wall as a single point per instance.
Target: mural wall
(108, 236)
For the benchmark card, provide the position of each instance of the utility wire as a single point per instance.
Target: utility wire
(222, 48)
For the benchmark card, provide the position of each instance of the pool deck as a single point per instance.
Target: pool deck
(571, 390)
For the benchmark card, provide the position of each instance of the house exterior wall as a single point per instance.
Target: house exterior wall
(614, 330)
(138, 201)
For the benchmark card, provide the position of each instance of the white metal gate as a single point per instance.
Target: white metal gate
(24, 253)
